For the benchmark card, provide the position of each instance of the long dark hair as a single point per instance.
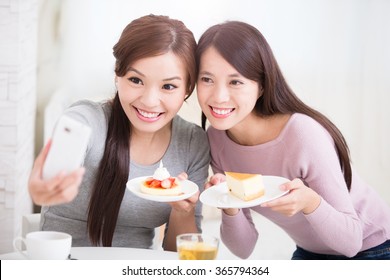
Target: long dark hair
(144, 37)
(246, 49)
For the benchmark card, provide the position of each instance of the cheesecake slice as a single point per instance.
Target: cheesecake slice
(245, 186)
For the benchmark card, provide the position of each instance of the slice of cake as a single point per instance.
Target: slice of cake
(161, 183)
(170, 186)
(245, 186)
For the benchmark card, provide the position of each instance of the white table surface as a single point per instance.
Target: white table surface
(108, 253)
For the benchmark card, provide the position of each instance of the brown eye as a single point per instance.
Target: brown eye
(206, 80)
(169, 87)
(236, 83)
(135, 80)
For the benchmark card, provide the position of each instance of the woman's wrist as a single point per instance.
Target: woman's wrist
(231, 211)
(314, 202)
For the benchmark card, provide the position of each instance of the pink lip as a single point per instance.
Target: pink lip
(146, 119)
(220, 116)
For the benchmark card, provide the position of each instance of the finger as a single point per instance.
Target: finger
(39, 161)
(285, 211)
(70, 193)
(191, 200)
(186, 204)
(61, 196)
(45, 150)
(40, 189)
(73, 178)
(182, 206)
(194, 198)
(217, 179)
(281, 201)
(182, 176)
(52, 188)
(207, 185)
(67, 190)
(294, 184)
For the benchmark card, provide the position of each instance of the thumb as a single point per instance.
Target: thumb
(215, 180)
(40, 160)
(294, 184)
(43, 154)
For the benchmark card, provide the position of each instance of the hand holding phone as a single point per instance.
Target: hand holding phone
(68, 147)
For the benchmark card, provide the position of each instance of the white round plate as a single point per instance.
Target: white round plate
(219, 195)
(189, 189)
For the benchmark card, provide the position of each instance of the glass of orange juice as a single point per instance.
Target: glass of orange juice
(197, 246)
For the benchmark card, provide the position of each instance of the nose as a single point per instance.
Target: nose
(150, 97)
(221, 94)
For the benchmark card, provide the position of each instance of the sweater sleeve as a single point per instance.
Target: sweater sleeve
(335, 220)
(238, 233)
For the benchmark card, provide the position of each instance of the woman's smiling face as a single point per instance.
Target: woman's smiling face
(225, 96)
(153, 91)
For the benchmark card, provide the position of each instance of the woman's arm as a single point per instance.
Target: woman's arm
(238, 233)
(186, 215)
(60, 189)
(181, 220)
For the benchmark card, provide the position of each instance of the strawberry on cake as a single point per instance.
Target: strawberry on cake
(161, 183)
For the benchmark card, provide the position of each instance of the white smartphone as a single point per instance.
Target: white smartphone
(69, 144)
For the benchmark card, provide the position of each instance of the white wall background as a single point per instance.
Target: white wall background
(18, 75)
(335, 54)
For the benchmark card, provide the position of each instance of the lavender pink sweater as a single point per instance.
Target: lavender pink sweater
(343, 224)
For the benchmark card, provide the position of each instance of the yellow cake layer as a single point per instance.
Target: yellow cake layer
(245, 186)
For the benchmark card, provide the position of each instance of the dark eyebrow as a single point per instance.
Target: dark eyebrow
(143, 75)
(206, 73)
(172, 78)
(234, 75)
(136, 71)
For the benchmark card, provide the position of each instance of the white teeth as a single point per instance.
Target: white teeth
(148, 114)
(222, 111)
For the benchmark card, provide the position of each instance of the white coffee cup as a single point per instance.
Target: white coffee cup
(44, 245)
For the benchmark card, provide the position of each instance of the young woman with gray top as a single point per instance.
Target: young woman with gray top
(155, 72)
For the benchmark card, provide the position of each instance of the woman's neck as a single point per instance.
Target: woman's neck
(148, 148)
(256, 130)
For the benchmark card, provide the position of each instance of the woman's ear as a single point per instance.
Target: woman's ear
(188, 94)
(261, 91)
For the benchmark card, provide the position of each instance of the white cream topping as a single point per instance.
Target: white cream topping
(161, 173)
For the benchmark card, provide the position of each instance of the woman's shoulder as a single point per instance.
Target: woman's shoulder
(182, 126)
(188, 136)
(304, 124)
(304, 130)
(90, 111)
(299, 119)
(90, 107)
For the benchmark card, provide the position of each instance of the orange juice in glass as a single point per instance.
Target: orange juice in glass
(197, 246)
